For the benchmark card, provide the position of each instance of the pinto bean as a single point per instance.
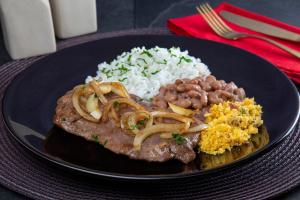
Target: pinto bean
(178, 81)
(193, 93)
(189, 87)
(183, 95)
(203, 98)
(162, 104)
(171, 87)
(185, 103)
(240, 93)
(223, 83)
(224, 95)
(196, 103)
(210, 79)
(214, 98)
(193, 81)
(159, 102)
(216, 85)
(205, 86)
(180, 88)
(230, 87)
(200, 79)
(170, 96)
(162, 91)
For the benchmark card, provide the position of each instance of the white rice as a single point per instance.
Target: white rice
(143, 71)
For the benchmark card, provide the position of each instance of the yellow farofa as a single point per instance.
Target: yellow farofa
(230, 124)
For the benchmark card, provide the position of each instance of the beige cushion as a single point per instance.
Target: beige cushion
(74, 17)
(27, 27)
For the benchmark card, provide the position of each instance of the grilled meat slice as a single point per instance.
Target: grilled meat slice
(119, 141)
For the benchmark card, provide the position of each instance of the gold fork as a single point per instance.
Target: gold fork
(219, 26)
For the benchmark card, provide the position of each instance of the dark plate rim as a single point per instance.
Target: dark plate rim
(119, 176)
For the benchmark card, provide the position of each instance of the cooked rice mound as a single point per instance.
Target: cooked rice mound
(143, 71)
(230, 124)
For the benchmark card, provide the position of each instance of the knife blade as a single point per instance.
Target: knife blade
(259, 26)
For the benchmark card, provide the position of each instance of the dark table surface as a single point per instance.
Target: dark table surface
(127, 14)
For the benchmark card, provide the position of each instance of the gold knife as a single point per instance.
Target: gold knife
(260, 26)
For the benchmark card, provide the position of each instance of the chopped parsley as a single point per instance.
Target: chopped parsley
(164, 62)
(144, 74)
(155, 72)
(142, 122)
(172, 55)
(133, 127)
(142, 59)
(116, 104)
(178, 138)
(95, 138)
(105, 142)
(95, 95)
(184, 59)
(122, 79)
(129, 58)
(107, 72)
(63, 119)
(145, 52)
(123, 70)
(144, 71)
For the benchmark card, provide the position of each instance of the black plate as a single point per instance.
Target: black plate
(30, 100)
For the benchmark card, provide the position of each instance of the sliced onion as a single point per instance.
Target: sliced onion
(87, 90)
(92, 103)
(95, 85)
(197, 128)
(194, 129)
(82, 100)
(115, 87)
(92, 107)
(134, 117)
(180, 110)
(114, 114)
(127, 101)
(175, 116)
(119, 89)
(105, 88)
(158, 128)
(124, 119)
(96, 114)
(75, 100)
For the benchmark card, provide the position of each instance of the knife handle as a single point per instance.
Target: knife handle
(279, 45)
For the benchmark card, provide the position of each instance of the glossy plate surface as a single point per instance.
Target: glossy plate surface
(30, 101)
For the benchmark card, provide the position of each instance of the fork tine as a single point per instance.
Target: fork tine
(217, 16)
(213, 18)
(209, 22)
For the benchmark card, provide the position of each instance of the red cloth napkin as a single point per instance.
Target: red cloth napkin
(195, 26)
